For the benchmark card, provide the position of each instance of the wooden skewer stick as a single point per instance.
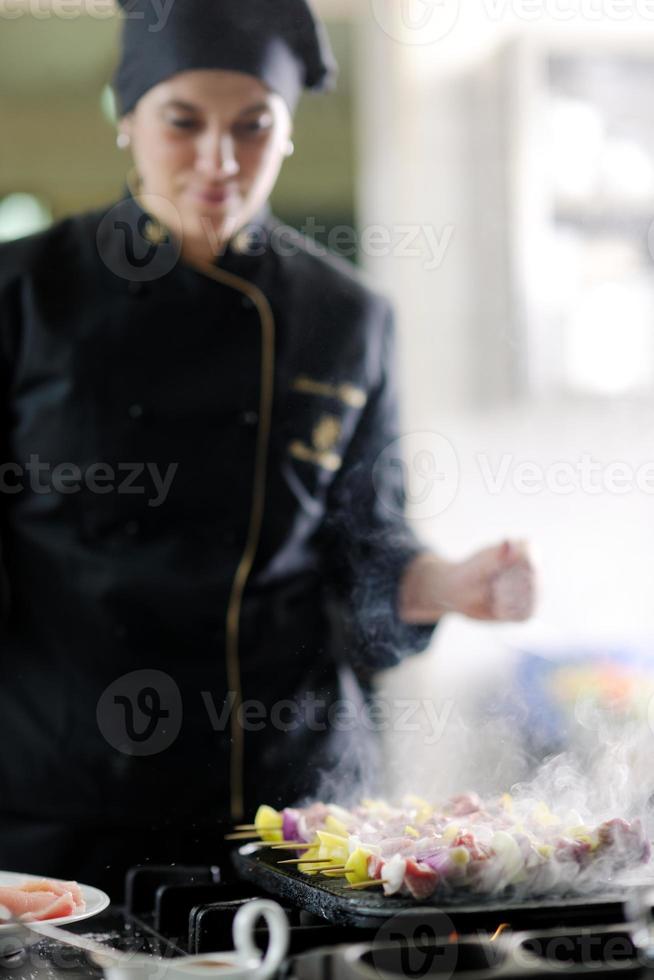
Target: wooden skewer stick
(246, 826)
(292, 845)
(242, 836)
(360, 885)
(306, 860)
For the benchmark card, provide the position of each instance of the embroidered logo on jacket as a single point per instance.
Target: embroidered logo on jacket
(324, 437)
(347, 393)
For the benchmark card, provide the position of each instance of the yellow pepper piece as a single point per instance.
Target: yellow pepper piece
(332, 846)
(543, 815)
(417, 801)
(339, 812)
(356, 866)
(584, 836)
(546, 851)
(450, 832)
(411, 832)
(460, 856)
(337, 841)
(269, 824)
(424, 810)
(308, 868)
(380, 805)
(335, 826)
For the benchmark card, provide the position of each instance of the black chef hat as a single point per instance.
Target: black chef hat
(278, 41)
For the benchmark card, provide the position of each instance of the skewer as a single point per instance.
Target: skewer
(292, 845)
(361, 885)
(242, 836)
(306, 860)
(246, 826)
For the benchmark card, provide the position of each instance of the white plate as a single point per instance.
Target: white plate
(96, 901)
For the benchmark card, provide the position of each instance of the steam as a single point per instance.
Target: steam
(598, 770)
(604, 771)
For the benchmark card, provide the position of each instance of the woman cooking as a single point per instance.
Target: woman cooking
(193, 404)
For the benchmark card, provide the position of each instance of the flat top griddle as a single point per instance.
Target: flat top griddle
(330, 899)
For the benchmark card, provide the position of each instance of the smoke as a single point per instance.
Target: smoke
(493, 743)
(495, 739)
(605, 769)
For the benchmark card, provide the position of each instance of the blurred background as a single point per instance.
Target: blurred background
(490, 165)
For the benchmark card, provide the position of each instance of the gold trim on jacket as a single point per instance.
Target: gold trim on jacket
(244, 569)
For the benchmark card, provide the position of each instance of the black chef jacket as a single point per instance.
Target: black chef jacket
(118, 362)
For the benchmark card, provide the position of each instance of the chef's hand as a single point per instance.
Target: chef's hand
(496, 584)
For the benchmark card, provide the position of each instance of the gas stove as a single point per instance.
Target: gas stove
(174, 911)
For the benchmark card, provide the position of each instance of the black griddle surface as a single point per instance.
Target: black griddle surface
(330, 899)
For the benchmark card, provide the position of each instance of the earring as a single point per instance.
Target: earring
(290, 149)
(155, 232)
(123, 141)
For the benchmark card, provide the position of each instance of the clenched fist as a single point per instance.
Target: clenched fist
(497, 584)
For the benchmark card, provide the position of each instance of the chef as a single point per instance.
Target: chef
(195, 501)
